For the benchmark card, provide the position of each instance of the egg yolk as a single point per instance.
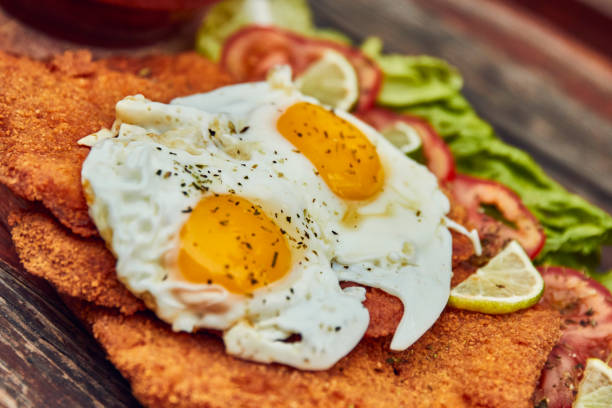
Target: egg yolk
(341, 153)
(229, 241)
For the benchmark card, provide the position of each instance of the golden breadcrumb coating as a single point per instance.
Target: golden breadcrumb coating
(45, 108)
(466, 360)
(76, 266)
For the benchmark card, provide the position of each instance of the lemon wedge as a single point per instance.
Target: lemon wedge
(403, 136)
(332, 80)
(595, 389)
(509, 282)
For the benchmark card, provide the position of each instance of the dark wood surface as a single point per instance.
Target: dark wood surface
(571, 15)
(541, 88)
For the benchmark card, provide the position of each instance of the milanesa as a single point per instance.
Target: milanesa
(466, 359)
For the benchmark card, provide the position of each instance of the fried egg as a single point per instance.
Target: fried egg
(243, 209)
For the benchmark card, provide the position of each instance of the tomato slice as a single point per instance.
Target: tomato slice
(437, 154)
(250, 52)
(586, 311)
(478, 195)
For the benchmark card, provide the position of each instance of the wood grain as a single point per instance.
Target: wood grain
(47, 358)
(602, 6)
(534, 43)
(7, 252)
(590, 22)
(521, 76)
(45, 353)
(8, 204)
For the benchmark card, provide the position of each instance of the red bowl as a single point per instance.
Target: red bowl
(108, 22)
(169, 5)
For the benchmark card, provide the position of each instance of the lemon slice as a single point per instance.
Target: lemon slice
(332, 80)
(508, 283)
(595, 389)
(403, 136)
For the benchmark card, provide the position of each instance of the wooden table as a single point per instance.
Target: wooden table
(542, 90)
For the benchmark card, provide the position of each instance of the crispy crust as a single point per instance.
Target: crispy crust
(465, 360)
(46, 107)
(76, 266)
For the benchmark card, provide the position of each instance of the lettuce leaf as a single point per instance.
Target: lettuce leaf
(605, 279)
(414, 80)
(575, 230)
(228, 16)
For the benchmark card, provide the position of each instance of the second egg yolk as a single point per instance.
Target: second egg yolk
(341, 153)
(229, 241)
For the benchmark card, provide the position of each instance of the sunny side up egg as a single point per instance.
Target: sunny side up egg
(243, 209)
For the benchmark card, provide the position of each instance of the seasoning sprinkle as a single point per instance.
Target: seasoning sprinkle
(274, 259)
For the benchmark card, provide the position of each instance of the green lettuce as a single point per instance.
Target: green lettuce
(431, 88)
(414, 80)
(605, 279)
(228, 16)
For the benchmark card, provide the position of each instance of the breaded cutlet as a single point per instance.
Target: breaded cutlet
(76, 266)
(45, 107)
(465, 359)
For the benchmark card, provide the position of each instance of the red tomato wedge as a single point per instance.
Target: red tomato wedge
(586, 312)
(250, 52)
(437, 154)
(476, 194)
